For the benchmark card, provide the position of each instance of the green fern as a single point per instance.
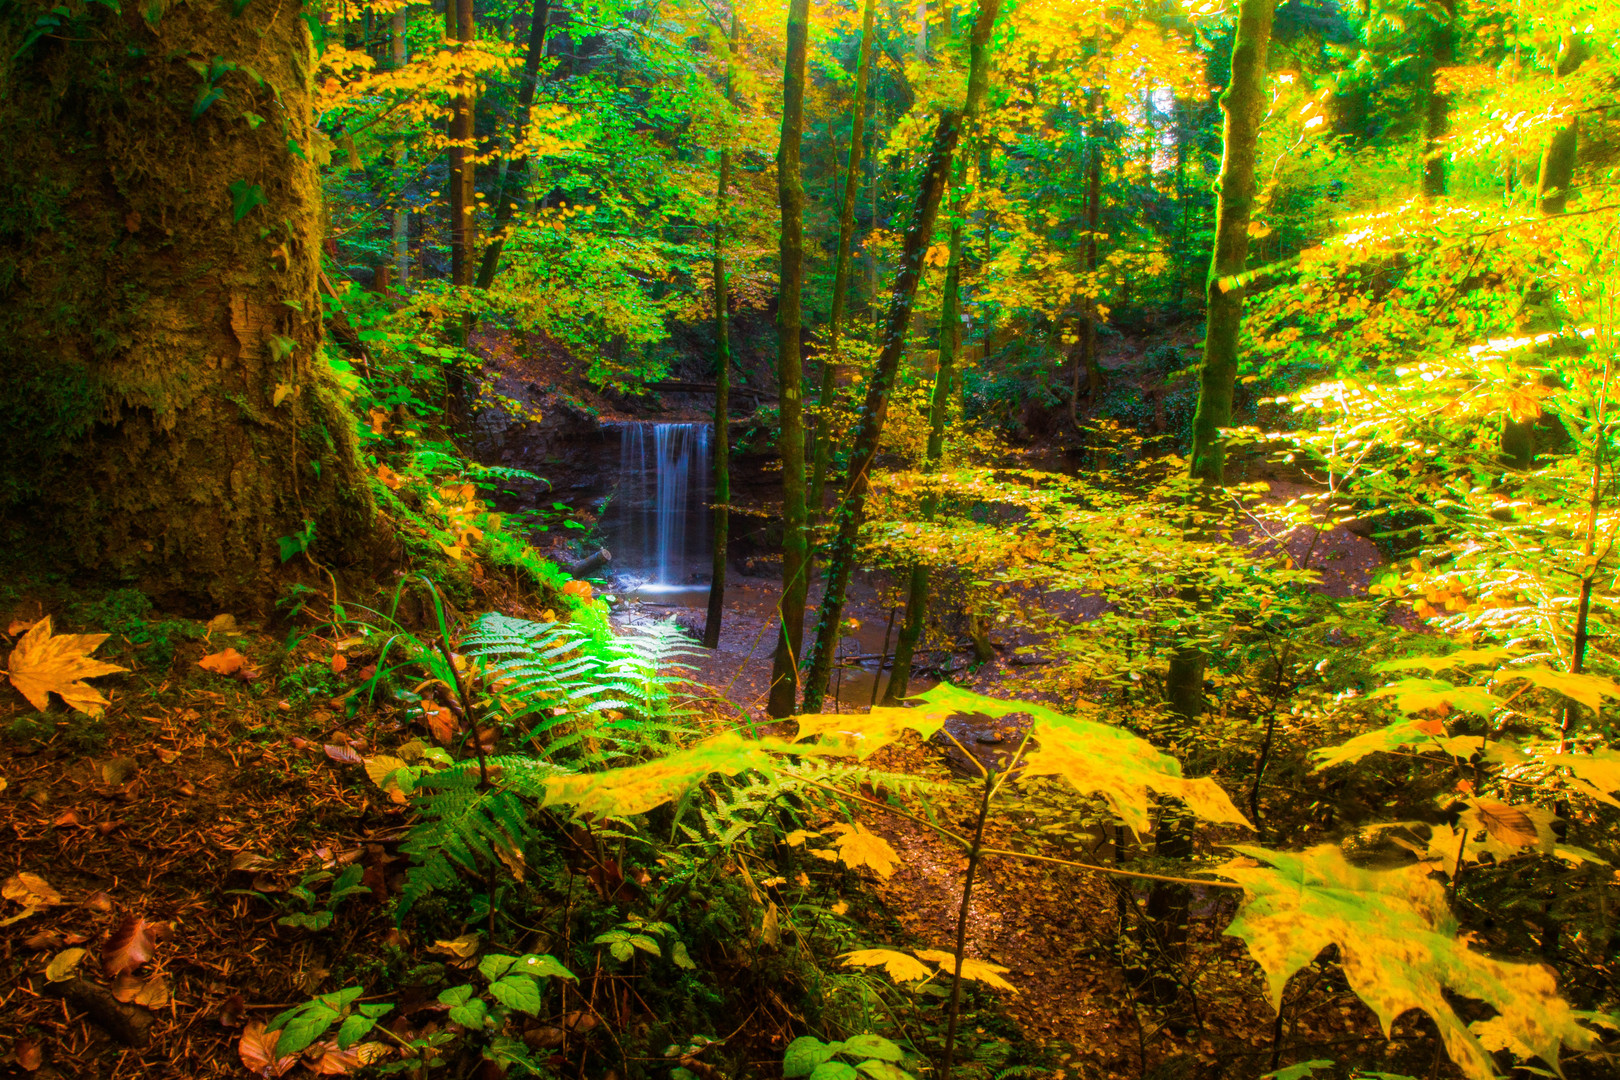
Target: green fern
(460, 827)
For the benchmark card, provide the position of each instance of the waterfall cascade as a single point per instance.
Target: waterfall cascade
(658, 523)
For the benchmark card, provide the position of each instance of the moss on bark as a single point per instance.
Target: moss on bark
(161, 359)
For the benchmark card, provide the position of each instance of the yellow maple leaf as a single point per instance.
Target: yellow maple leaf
(858, 847)
(972, 970)
(899, 966)
(41, 665)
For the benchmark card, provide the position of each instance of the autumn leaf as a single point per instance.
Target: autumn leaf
(1588, 690)
(41, 665)
(864, 734)
(1099, 758)
(899, 966)
(972, 970)
(331, 1060)
(225, 662)
(636, 789)
(1421, 695)
(131, 945)
(858, 847)
(257, 1050)
(60, 969)
(1398, 946)
(339, 663)
(1508, 824)
(30, 890)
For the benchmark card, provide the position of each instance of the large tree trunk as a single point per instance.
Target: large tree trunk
(1437, 110)
(1558, 156)
(823, 444)
(789, 369)
(722, 381)
(168, 414)
(1244, 104)
(869, 428)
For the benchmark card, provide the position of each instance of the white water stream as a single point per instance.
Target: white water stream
(658, 523)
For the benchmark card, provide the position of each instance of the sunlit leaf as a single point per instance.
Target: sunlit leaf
(42, 665)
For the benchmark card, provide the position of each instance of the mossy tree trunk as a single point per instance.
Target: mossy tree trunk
(1558, 155)
(784, 690)
(823, 444)
(505, 200)
(169, 415)
(1437, 109)
(722, 381)
(869, 427)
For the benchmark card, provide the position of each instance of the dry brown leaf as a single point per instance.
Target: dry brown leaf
(20, 626)
(165, 755)
(332, 1061)
(231, 1011)
(344, 754)
(41, 665)
(67, 819)
(98, 901)
(225, 662)
(131, 945)
(257, 1050)
(126, 986)
(1509, 824)
(29, 1054)
(60, 969)
(30, 890)
(460, 947)
(154, 993)
(222, 623)
(339, 663)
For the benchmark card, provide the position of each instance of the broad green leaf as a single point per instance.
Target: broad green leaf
(1458, 659)
(834, 1070)
(682, 959)
(805, 1053)
(883, 1070)
(972, 970)
(1588, 690)
(543, 966)
(873, 1046)
(1398, 946)
(901, 967)
(1421, 695)
(495, 965)
(471, 1014)
(1099, 758)
(353, 1029)
(620, 793)
(518, 992)
(455, 995)
(863, 734)
(1299, 1071)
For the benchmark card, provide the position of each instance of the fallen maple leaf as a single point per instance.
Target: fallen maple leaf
(29, 1055)
(30, 890)
(41, 665)
(226, 662)
(131, 945)
(258, 1051)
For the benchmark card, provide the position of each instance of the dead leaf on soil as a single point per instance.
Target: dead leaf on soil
(231, 1011)
(118, 771)
(165, 755)
(42, 665)
(98, 901)
(225, 662)
(154, 993)
(1509, 824)
(222, 623)
(132, 944)
(340, 663)
(30, 890)
(30, 1056)
(460, 947)
(60, 969)
(343, 753)
(258, 1051)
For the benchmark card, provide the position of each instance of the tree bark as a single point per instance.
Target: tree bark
(1244, 105)
(823, 438)
(168, 413)
(459, 27)
(1558, 156)
(722, 382)
(1437, 110)
(506, 206)
(402, 217)
(1087, 359)
(869, 427)
(789, 368)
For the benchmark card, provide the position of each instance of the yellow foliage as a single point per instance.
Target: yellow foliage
(42, 665)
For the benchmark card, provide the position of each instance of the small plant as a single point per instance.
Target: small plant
(318, 913)
(873, 1056)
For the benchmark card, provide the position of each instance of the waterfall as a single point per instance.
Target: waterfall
(658, 523)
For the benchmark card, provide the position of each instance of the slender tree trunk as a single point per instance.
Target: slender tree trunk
(722, 381)
(869, 428)
(181, 420)
(823, 436)
(939, 410)
(506, 205)
(1437, 111)
(789, 368)
(459, 27)
(1558, 156)
(402, 217)
(1244, 104)
(1088, 324)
